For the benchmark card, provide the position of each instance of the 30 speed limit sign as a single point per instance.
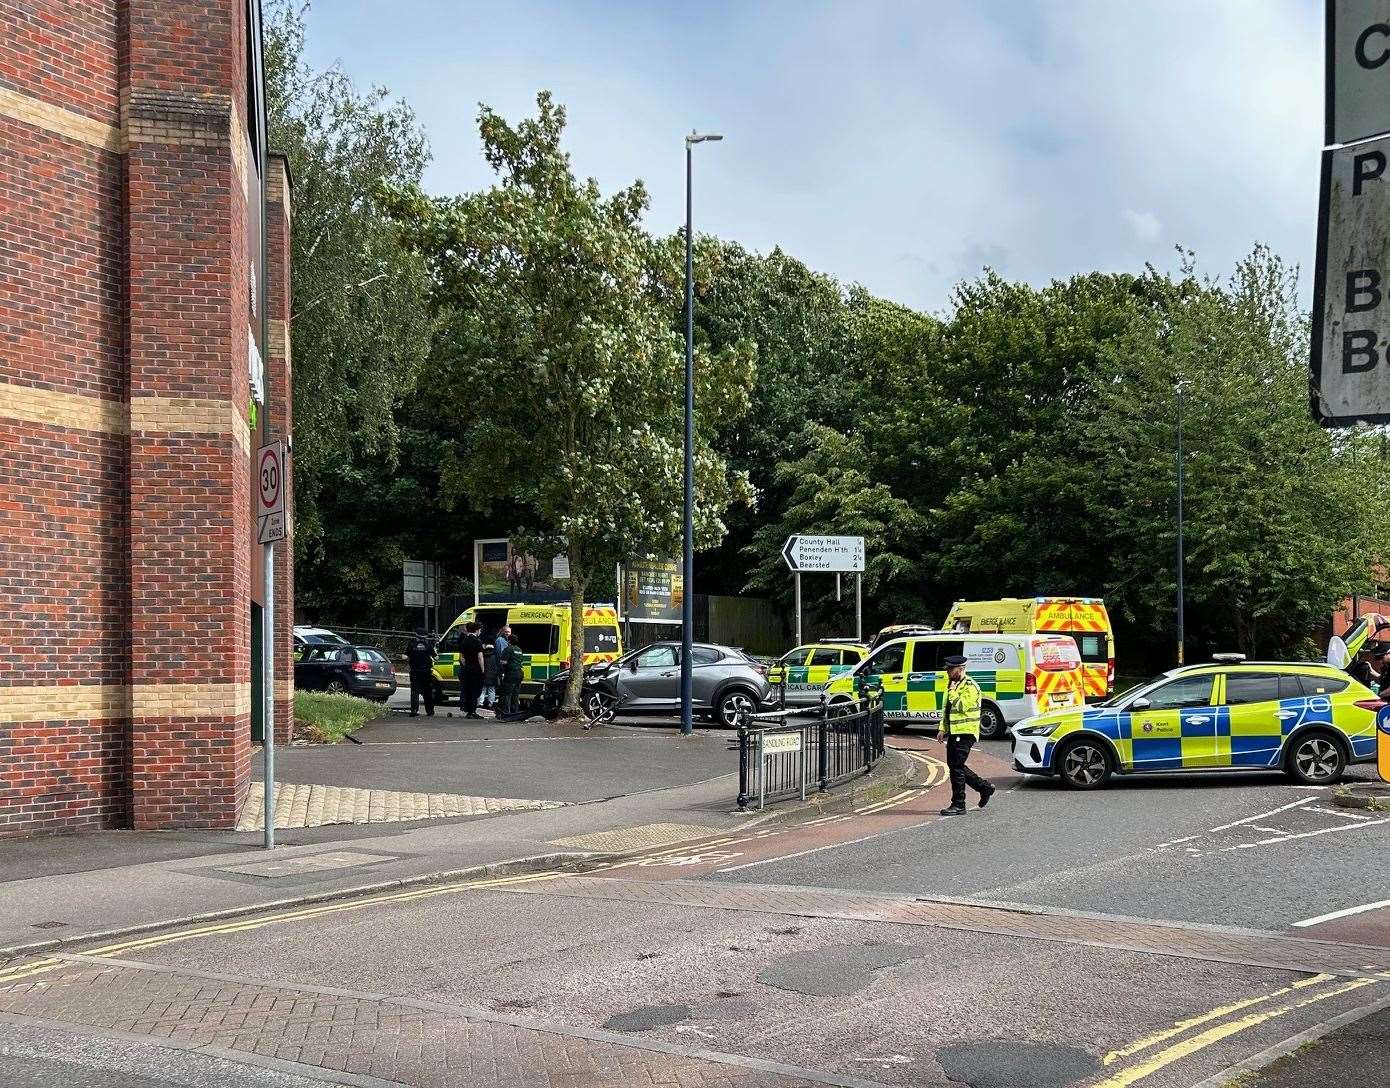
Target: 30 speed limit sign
(270, 483)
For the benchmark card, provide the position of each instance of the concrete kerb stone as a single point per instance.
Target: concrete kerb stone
(894, 773)
(1374, 796)
(511, 867)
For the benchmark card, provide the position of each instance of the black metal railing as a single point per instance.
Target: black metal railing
(779, 756)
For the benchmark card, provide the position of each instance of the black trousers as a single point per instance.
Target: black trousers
(422, 687)
(958, 747)
(470, 687)
(509, 697)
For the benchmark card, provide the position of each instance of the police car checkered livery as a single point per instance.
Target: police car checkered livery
(1308, 720)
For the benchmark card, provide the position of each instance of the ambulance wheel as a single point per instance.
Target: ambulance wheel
(992, 725)
(1083, 764)
(1315, 759)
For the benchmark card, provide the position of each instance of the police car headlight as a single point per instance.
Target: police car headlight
(1035, 731)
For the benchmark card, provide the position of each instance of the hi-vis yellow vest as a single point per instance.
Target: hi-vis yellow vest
(963, 709)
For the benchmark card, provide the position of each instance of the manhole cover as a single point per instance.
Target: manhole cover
(646, 1017)
(998, 1063)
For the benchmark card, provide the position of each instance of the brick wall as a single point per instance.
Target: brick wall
(125, 514)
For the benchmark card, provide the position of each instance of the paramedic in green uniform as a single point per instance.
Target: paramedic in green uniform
(960, 729)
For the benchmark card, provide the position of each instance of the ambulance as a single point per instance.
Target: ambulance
(800, 675)
(1019, 676)
(1085, 619)
(543, 634)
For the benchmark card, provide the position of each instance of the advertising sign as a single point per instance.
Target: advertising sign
(653, 591)
(502, 575)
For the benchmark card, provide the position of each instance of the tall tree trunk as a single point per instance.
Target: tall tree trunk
(576, 681)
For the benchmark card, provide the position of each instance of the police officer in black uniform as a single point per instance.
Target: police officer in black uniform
(420, 653)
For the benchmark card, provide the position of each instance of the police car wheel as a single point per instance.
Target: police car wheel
(1316, 759)
(1083, 765)
(991, 722)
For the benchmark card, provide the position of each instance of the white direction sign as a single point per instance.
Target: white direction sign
(830, 554)
(420, 583)
(1351, 287)
(270, 500)
(1358, 69)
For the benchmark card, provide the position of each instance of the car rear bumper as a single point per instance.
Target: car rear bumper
(373, 688)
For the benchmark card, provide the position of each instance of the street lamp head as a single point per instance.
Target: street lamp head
(701, 137)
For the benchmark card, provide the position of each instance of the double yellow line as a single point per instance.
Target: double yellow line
(245, 925)
(1297, 995)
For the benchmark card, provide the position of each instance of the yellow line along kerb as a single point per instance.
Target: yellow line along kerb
(1140, 1070)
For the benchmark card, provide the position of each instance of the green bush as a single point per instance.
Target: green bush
(326, 718)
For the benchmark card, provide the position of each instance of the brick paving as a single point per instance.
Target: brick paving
(1250, 947)
(299, 805)
(393, 1039)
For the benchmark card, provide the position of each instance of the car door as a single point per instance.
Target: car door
(708, 671)
(926, 678)
(886, 667)
(652, 680)
(792, 666)
(1261, 710)
(1174, 725)
(308, 670)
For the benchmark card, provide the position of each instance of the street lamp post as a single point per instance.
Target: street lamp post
(1180, 556)
(688, 524)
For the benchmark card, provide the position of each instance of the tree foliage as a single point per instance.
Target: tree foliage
(557, 364)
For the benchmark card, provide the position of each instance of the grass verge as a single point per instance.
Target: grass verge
(325, 719)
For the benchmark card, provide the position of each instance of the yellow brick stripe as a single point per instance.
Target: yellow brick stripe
(57, 409)
(64, 122)
(99, 702)
(180, 415)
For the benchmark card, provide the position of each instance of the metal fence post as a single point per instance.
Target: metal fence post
(823, 757)
(762, 772)
(743, 767)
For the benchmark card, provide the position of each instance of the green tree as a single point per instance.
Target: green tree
(360, 324)
(558, 366)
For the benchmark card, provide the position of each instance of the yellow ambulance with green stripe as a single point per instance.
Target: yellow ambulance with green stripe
(1308, 720)
(1019, 676)
(800, 675)
(1084, 619)
(543, 634)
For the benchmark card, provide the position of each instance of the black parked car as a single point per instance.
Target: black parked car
(351, 670)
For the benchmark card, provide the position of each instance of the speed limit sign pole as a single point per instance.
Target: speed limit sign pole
(270, 527)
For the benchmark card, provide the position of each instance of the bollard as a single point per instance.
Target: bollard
(823, 756)
(743, 765)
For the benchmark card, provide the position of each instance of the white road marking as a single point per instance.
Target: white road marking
(802, 853)
(1263, 815)
(1334, 915)
(1343, 813)
(1272, 830)
(1309, 834)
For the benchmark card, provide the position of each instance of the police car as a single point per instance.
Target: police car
(1308, 720)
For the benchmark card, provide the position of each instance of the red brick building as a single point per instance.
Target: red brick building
(138, 298)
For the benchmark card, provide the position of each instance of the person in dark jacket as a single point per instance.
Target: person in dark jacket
(470, 670)
(512, 668)
(420, 654)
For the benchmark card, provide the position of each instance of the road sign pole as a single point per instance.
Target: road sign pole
(858, 607)
(797, 577)
(268, 692)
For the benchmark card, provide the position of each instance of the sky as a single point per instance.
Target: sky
(902, 146)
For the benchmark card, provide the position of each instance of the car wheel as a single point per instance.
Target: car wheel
(335, 687)
(734, 706)
(1315, 759)
(598, 706)
(1083, 764)
(992, 725)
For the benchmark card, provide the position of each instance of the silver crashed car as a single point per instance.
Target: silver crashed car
(725, 682)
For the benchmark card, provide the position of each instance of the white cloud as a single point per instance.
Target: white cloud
(1144, 224)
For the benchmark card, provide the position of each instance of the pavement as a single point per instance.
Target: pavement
(1178, 932)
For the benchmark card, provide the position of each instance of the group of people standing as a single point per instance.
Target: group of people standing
(489, 673)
